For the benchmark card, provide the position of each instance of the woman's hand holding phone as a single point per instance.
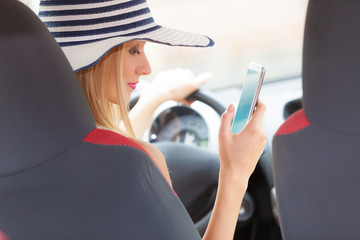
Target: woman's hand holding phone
(240, 152)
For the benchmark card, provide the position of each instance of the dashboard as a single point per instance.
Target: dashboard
(180, 124)
(195, 125)
(198, 124)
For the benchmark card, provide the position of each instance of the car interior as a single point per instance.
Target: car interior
(53, 186)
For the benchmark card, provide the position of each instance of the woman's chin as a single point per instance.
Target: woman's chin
(128, 97)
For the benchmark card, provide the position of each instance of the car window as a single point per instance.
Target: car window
(269, 33)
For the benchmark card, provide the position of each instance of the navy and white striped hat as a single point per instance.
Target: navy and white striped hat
(87, 29)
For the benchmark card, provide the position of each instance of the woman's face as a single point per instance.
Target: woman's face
(135, 64)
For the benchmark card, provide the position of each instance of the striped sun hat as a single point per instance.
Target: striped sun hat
(87, 29)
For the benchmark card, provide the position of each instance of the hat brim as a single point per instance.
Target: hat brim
(87, 55)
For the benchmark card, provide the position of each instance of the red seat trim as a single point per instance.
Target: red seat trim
(107, 137)
(3, 236)
(294, 123)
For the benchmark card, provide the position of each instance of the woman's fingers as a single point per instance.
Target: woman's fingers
(226, 120)
(202, 78)
(257, 118)
(177, 84)
(255, 127)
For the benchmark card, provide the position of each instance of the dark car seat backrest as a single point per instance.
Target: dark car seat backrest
(60, 177)
(331, 78)
(316, 150)
(43, 110)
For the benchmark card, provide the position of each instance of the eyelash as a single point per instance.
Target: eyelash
(134, 51)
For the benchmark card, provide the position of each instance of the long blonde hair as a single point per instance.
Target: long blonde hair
(95, 83)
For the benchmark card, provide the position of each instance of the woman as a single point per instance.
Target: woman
(104, 42)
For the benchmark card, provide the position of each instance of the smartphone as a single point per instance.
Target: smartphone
(249, 95)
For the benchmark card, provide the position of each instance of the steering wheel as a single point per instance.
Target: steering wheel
(194, 172)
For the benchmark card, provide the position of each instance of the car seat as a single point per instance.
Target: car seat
(316, 150)
(60, 176)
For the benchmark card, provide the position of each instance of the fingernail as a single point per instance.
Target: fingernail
(230, 108)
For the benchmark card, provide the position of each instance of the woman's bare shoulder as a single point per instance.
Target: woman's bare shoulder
(156, 156)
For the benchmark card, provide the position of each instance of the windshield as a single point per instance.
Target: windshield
(269, 33)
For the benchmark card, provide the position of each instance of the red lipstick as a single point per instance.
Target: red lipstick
(132, 85)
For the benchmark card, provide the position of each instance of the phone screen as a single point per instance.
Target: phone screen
(249, 96)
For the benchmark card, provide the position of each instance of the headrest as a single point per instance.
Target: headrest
(43, 110)
(331, 79)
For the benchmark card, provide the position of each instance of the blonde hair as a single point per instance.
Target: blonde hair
(95, 83)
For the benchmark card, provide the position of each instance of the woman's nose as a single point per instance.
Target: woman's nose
(145, 67)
